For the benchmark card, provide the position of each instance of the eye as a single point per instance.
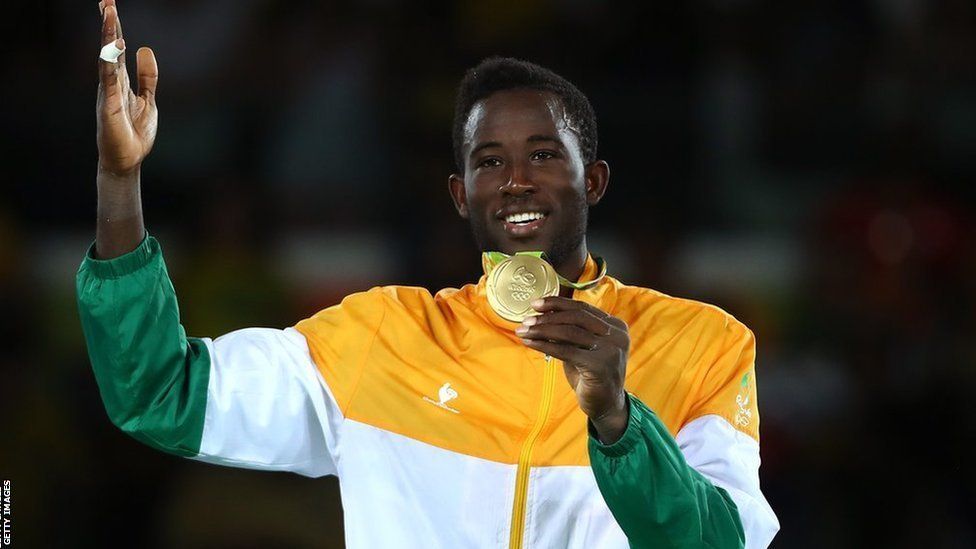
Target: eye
(490, 162)
(542, 155)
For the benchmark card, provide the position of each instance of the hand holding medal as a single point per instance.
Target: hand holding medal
(592, 344)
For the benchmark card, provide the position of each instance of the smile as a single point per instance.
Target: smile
(524, 223)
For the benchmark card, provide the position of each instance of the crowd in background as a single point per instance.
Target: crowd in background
(808, 166)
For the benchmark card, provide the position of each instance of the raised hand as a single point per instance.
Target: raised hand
(126, 120)
(593, 346)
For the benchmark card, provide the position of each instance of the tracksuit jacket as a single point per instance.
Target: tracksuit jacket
(443, 428)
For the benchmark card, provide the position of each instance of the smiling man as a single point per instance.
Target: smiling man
(546, 405)
(518, 150)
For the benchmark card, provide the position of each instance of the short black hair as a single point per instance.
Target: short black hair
(496, 74)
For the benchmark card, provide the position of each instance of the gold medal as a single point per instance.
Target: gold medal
(517, 281)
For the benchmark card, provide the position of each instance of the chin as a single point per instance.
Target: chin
(534, 244)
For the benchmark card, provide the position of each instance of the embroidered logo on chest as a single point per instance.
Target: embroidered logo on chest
(445, 394)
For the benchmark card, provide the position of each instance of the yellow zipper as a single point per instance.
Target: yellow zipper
(522, 473)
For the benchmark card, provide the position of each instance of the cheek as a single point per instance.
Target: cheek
(566, 173)
(572, 183)
(477, 197)
(482, 186)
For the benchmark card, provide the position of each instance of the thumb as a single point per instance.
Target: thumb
(572, 375)
(148, 73)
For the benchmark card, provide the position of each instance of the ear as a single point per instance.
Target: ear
(455, 186)
(597, 179)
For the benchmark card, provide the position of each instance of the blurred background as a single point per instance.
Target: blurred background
(807, 166)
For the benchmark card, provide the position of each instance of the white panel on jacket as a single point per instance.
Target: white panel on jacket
(569, 511)
(267, 405)
(730, 459)
(398, 492)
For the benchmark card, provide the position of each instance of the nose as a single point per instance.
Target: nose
(519, 182)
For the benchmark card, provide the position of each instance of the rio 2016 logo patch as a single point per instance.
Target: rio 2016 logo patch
(743, 416)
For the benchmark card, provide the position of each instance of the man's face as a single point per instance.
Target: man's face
(525, 186)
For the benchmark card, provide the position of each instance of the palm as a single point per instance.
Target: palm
(127, 120)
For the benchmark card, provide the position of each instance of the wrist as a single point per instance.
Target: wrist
(127, 176)
(119, 227)
(610, 425)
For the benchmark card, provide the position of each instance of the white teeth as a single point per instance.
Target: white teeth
(524, 217)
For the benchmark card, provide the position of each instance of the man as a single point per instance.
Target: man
(443, 416)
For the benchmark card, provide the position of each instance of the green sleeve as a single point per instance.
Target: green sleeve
(152, 378)
(655, 496)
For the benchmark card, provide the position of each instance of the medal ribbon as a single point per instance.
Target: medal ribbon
(490, 260)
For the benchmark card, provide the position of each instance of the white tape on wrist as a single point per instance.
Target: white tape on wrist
(110, 52)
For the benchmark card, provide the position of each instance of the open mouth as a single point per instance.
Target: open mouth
(523, 223)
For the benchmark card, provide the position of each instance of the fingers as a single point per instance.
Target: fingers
(108, 29)
(582, 318)
(108, 71)
(569, 354)
(112, 31)
(573, 330)
(567, 334)
(557, 303)
(113, 9)
(147, 72)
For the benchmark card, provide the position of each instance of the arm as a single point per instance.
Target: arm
(126, 130)
(730, 460)
(717, 451)
(699, 491)
(657, 498)
(252, 398)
